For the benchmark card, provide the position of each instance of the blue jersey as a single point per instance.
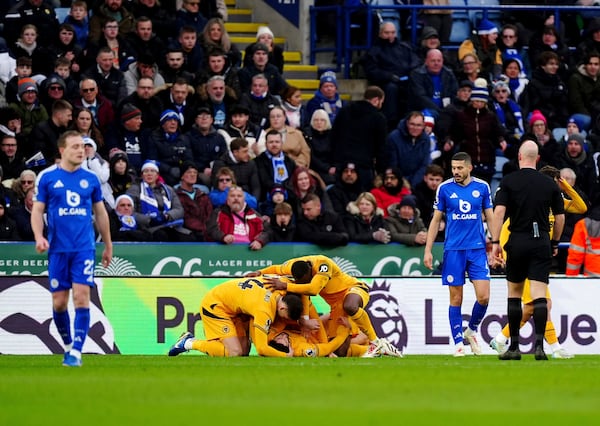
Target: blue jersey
(69, 197)
(463, 206)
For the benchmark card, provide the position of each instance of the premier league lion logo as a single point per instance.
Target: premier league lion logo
(386, 318)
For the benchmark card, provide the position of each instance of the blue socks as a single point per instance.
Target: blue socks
(63, 324)
(455, 316)
(477, 315)
(82, 325)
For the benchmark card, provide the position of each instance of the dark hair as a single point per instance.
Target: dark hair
(434, 169)
(373, 92)
(546, 57)
(272, 132)
(294, 304)
(60, 105)
(589, 55)
(462, 156)
(279, 346)
(300, 268)
(310, 197)
(237, 143)
(287, 92)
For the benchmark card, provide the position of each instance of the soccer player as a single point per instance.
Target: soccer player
(463, 199)
(573, 204)
(317, 274)
(229, 309)
(526, 197)
(69, 194)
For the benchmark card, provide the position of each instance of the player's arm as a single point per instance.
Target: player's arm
(576, 204)
(102, 223)
(341, 335)
(495, 228)
(37, 226)
(261, 343)
(312, 288)
(432, 232)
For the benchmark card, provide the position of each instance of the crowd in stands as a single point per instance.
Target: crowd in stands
(193, 141)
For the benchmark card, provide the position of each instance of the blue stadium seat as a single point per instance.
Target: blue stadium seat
(461, 24)
(493, 15)
(61, 13)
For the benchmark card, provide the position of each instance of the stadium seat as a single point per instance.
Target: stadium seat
(461, 24)
(61, 13)
(493, 15)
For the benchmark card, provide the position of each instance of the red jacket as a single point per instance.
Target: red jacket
(221, 223)
(385, 199)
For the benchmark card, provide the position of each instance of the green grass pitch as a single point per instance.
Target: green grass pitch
(198, 390)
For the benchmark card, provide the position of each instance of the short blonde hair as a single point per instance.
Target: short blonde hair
(321, 113)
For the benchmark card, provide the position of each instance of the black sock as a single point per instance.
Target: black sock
(540, 316)
(515, 312)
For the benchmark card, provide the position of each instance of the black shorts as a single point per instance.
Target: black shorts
(528, 257)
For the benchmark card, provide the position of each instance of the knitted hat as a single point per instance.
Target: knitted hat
(262, 30)
(486, 27)
(479, 94)
(278, 188)
(577, 121)
(55, 80)
(124, 197)
(89, 141)
(129, 111)
(169, 114)
(537, 115)
(328, 77)
(577, 138)
(187, 165)
(150, 164)
(408, 200)
(429, 121)
(26, 84)
(500, 85)
(429, 32)
(350, 166)
(260, 46)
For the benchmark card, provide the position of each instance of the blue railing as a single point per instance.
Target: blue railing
(344, 48)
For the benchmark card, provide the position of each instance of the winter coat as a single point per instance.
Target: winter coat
(547, 93)
(197, 211)
(411, 156)
(246, 173)
(221, 224)
(170, 154)
(421, 90)
(385, 60)
(359, 229)
(584, 93)
(326, 230)
(205, 148)
(402, 230)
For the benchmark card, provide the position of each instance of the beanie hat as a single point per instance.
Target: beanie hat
(169, 114)
(260, 46)
(150, 164)
(124, 197)
(429, 121)
(188, 165)
(577, 138)
(129, 111)
(278, 188)
(55, 80)
(575, 119)
(204, 110)
(26, 84)
(89, 141)
(479, 94)
(408, 200)
(116, 154)
(328, 77)
(262, 30)
(486, 27)
(500, 84)
(537, 115)
(429, 32)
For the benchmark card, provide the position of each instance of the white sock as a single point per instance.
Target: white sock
(555, 347)
(501, 338)
(188, 344)
(68, 347)
(75, 353)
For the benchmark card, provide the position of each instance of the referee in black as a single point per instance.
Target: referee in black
(527, 197)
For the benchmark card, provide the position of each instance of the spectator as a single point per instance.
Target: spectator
(174, 67)
(145, 43)
(281, 227)
(23, 70)
(192, 51)
(225, 179)
(364, 221)
(109, 10)
(439, 19)
(388, 64)
(8, 227)
(109, 80)
(129, 137)
(22, 217)
(100, 107)
(143, 99)
(574, 156)
(100, 167)
(265, 36)
(78, 19)
(405, 223)
(217, 64)
(478, 132)
(237, 158)
(214, 9)
(584, 90)
(23, 184)
(236, 222)
(277, 195)
(65, 46)
(161, 209)
(305, 181)
(393, 190)
(359, 122)
(260, 65)
(121, 176)
(122, 53)
(319, 227)
(294, 144)
(574, 125)
(12, 161)
(28, 107)
(62, 69)
(189, 16)
(295, 111)
(547, 92)
(215, 35)
(239, 126)
(206, 144)
(432, 85)
(509, 114)
(517, 81)
(52, 89)
(273, 165)
(197, 207)
(27, 46)
(10, 124)
(163, 21)
(471, 68)
(483, 44)
(30, 12)
(218, 98)
(318, 138)
(447, 116)
(511, 47)
(8, 196)
(590, 40)
(549, 41)
(430, 39)
(408, 147)
(425, 191)
(327, 97)
(345, 189)
(145, 66)
(180, 98)
(126, 224)
(44, 136)
(169, 147)
(259, 101)
(585, 246)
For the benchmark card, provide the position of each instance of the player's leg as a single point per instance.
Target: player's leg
(453, 275)
(479, 274)
(353, 307)
(60, 287)
(540, 316)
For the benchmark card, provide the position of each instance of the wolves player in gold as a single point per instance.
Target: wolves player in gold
(227, 311)
(318, 274)
(573, 204)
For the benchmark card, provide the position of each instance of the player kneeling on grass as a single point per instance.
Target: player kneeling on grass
(229, 309)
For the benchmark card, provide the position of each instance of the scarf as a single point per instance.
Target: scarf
(516, 113)
(149, 204)
(280, 172)
(128, 223)
(292, 114)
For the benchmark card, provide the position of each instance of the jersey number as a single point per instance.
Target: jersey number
(88, 269)
(249, 284)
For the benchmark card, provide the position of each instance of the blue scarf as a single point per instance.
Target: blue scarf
(516, 112)
(280, 172)
(128, 223)
(149, 204)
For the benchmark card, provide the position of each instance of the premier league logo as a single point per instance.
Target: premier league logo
(386, 318)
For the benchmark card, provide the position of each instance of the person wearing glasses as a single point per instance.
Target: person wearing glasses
(11, 159)
(483, 44)
(23, 184)
(470, 68)
(100, 107)
(225, 179)
(109, 10)
(508, 112)
(511, 47)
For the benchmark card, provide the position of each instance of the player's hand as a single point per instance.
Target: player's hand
(344, 321)
(273, 283)
(428, 261)
(41, 245)
(252, 274)
(290, 353)
(106, 256)
(309, 325)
